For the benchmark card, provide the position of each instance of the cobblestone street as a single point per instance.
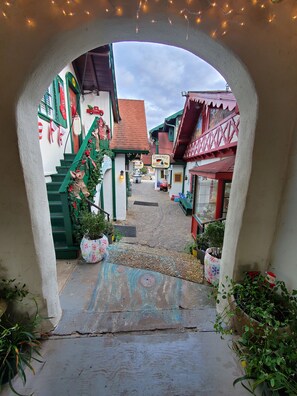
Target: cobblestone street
(163, 226)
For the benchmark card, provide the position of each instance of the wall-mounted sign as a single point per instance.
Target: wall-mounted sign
(137, 164)
(160, 161)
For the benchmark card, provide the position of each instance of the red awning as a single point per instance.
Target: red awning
(222, 169)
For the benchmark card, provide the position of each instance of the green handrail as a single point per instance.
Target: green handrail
(63, 191)
(78, 157)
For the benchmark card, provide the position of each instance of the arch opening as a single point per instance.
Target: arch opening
(64, 49)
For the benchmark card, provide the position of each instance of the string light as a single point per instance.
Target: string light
(223, 15)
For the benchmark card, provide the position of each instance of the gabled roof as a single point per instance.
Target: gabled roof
(130, 134)
(192, 110)
(167, 123)
(224, 99)
(95, 73)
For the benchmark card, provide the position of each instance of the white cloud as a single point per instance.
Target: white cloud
(158, 74)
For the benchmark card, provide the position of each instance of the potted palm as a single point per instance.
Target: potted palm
(214, 233)
(94, 243)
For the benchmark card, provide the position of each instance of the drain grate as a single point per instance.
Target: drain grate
(146, 203)
(126, 231)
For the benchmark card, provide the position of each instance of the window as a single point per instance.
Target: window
(177, 177)
(52, 105)
(46, 105)
(226, 197)
(206, 198)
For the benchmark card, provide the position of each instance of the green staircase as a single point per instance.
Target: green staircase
(64, 247)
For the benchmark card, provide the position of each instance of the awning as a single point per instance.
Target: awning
(222, 169)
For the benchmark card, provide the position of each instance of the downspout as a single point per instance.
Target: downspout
(114, 206)
(184, 175)
(101, 196)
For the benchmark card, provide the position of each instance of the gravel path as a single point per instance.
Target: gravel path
(167, 262)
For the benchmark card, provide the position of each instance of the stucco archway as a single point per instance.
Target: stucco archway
(82, 40)
(42, 54)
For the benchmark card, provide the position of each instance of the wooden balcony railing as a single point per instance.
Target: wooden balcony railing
(222, 138)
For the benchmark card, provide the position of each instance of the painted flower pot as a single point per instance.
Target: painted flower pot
(211, 267)
(93, 250)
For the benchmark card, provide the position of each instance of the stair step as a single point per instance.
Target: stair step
(55, 206)
(53, 196)
(62, 170)
(59, 234)
(66, 162)
(69, 156)
(57, 219)
(66, 252)
(58, 177)
(53, 186)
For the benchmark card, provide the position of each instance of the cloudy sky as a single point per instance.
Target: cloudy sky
(158, 74)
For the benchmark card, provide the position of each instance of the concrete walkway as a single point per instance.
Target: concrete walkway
(131, 331)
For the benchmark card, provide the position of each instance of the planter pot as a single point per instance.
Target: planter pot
(241, 319)
(201, 255)
(211, 267)
(110, 238)
(93, 250)
(194, 252)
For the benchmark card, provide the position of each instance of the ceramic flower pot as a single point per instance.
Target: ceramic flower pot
(93, 250)
(211, 267)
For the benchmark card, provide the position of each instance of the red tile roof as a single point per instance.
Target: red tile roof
(131, 132)
(222, 169)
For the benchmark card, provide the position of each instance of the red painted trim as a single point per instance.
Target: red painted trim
(219, 203)
(194, 227)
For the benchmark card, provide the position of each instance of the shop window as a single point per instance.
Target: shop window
(206, 198)
(177, 177)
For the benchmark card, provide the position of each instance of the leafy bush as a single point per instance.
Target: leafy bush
(19, 342)
(93, 224)
(267, 348)
(214, 233)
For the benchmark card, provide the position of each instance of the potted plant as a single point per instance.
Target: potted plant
(109, 231)
(214, 233)
(202, 244)
(10, 291)
(19, 338)
(94, 243)
(264, 315)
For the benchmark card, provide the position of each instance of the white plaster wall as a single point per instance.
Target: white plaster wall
(120, 186)
(102, 101)
(284, 253)
(107, 192)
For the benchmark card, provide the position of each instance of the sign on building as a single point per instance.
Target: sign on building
(137, 164)
(160, 161)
